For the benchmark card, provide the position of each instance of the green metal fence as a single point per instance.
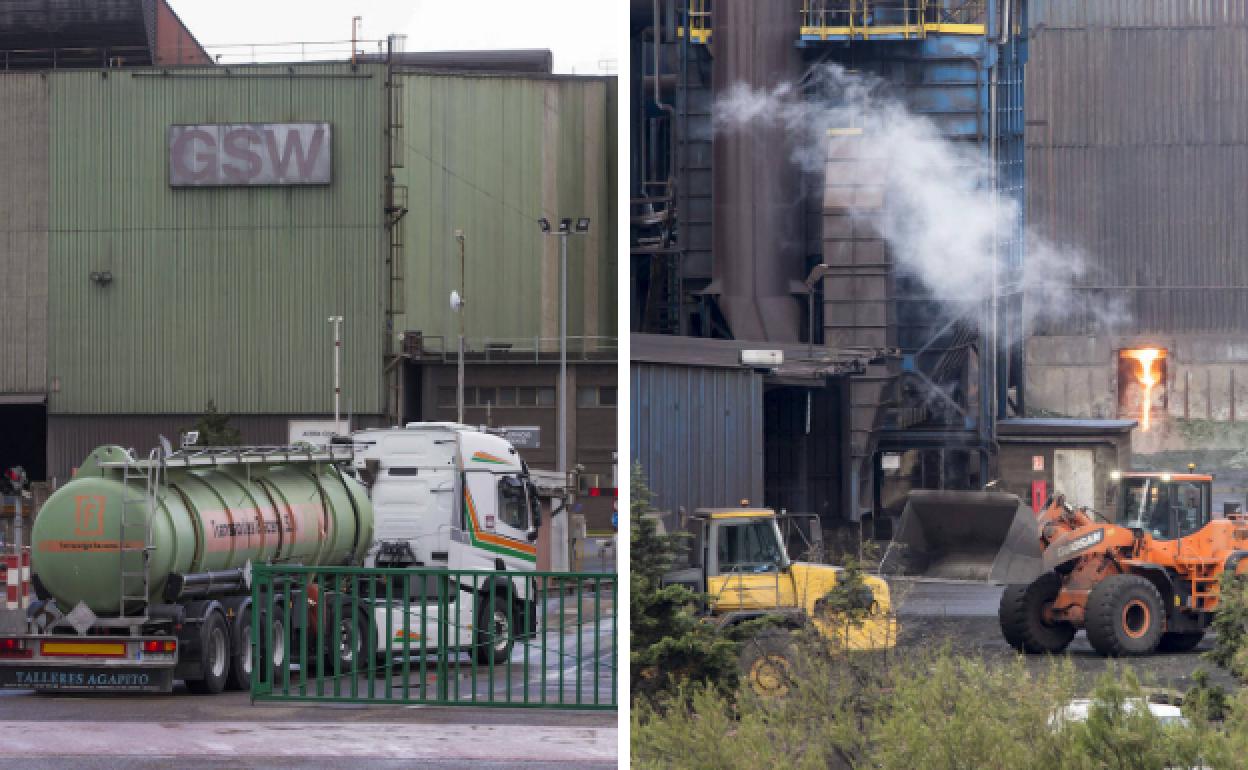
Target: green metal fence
(433, 636)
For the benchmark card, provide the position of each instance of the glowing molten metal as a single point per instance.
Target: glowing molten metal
(1147, 357)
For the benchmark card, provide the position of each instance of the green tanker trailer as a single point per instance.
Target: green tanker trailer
(142, 566)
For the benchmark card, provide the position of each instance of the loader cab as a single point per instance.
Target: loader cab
(1165, 506)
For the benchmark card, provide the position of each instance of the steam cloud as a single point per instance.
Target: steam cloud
(942, 217)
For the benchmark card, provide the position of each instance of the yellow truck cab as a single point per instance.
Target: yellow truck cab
(744, 568)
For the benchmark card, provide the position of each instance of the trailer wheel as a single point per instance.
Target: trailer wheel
(1125, 616)
(496, 629)
(769, 663)
(241, 662)
(1180, 641)
(351, 659)
(1021, 615)
(214, 651)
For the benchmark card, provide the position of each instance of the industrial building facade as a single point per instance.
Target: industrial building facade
(1136, 116)
(131, 299)
(771, 238)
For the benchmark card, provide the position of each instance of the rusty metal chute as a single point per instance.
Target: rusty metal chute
(965, 536)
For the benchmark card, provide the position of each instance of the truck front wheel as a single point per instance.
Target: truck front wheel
(496, 630)
(769, 663)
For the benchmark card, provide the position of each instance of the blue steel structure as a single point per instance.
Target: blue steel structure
(961, 64)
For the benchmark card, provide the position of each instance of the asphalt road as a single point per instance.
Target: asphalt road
(964, 616)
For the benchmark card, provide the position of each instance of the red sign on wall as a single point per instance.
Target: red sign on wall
(1039, 494)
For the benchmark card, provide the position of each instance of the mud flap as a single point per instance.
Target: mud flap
(965, 536)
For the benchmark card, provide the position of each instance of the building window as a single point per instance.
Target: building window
(509, 396)
(446, 397)
(595, 396)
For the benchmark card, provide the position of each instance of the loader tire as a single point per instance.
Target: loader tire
(769, 665)
(1125, 616)
(1021, 615)
(1180, 642)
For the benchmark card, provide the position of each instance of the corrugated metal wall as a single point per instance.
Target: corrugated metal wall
(218, 293)
(698, 434)
(490, 156)
(23, 234)
(1137, 152)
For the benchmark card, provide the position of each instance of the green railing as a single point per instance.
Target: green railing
(432, 636)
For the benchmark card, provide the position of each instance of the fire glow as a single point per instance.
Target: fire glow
(1147, 377)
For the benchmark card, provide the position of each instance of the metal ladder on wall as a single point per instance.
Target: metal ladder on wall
(143, 488)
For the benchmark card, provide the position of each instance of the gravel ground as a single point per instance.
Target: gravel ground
(964, 616)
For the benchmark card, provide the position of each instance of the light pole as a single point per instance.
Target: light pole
(336, 320)
(457, 304)
(565, 229)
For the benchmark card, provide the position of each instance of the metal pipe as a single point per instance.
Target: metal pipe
(336, 320)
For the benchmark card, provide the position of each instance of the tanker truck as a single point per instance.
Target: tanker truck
(142, 566)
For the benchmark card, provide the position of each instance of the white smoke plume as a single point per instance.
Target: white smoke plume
(942, 218)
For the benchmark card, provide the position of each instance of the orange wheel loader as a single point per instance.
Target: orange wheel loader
(1143, 580)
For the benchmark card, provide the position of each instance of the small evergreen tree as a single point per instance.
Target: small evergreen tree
(671, 646)
(215, 429)
(1230, 626)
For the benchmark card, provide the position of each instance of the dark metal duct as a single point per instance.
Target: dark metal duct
(756, 238)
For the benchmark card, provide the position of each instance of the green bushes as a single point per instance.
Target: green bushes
(934, 710)
(670, 646)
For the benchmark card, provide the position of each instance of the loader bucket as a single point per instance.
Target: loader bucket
(987, 536)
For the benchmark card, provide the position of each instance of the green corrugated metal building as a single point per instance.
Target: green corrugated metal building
(130, 302)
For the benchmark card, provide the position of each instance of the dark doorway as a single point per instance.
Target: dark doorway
(411, 410)
(24, 439)
(803, 446)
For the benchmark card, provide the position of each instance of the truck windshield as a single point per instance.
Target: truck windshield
(749, 546)
(1165, 509)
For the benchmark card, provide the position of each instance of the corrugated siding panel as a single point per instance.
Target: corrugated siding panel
(23, 233)
(218, 293)
(698, 434)
(1136, 13)
(490, 156)
(1137, 148)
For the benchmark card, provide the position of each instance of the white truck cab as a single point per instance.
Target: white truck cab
(447, 495)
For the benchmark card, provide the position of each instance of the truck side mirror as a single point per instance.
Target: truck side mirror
(535, 508)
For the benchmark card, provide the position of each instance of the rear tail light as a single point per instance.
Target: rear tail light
(160, 645)
(13, 648)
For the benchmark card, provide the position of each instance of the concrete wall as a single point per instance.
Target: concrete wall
(1201, 410)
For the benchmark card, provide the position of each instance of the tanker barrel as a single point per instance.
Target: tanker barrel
(959, 535)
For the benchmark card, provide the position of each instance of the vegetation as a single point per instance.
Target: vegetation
(670, 647)
(1230, 626)
(932, 709)
(215, 429)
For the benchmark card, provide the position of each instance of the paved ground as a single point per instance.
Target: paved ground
(184, 730)
(964, 615)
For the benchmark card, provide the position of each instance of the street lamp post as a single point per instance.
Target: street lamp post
(457, 304)
(565, 229)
